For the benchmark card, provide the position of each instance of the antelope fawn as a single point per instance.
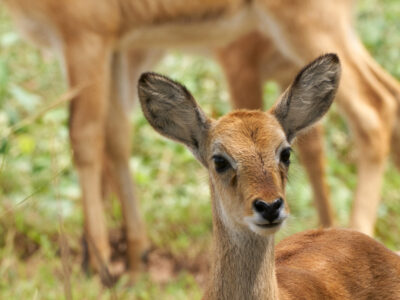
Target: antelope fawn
(247, 154)
(105, 45)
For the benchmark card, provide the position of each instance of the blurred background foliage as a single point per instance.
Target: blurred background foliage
(39, 192)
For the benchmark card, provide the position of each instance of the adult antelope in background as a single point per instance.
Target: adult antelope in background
(247, 154)
(104, 45)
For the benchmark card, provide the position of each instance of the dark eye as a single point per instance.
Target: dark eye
(221, 163)
(285, 156)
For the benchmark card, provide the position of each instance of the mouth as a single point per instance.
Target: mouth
(263, 227)
(269, 225)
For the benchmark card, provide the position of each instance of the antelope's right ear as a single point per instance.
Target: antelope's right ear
(172, 111)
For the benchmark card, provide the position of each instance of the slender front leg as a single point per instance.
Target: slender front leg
(87, 59)
(371, 121)
(118, 152)
(126, 69)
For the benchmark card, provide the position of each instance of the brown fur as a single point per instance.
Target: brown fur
(336, 264)
(104, 45)
(316, 264)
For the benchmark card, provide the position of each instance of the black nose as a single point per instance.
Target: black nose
(269, 211)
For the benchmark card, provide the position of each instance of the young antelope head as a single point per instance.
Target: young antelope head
(247, 153)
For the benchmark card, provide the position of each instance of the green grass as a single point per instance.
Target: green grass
(39, 190)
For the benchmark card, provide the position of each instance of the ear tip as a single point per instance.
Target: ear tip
(331, 59)
(146, 77)
(330, 64)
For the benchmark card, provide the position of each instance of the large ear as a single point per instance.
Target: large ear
(172, 111)
(310, 95)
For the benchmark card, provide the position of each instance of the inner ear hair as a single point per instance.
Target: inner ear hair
(172, 111)
(309, 96)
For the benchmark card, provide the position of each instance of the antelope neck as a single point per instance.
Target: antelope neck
(243, 265)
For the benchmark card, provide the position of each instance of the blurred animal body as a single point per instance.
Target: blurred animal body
(247, 155)
(105, 45)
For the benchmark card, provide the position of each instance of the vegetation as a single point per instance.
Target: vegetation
(40, 196)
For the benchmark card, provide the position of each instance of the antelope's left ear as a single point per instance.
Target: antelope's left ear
(309, 96)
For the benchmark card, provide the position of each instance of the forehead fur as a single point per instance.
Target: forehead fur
(245, 129)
